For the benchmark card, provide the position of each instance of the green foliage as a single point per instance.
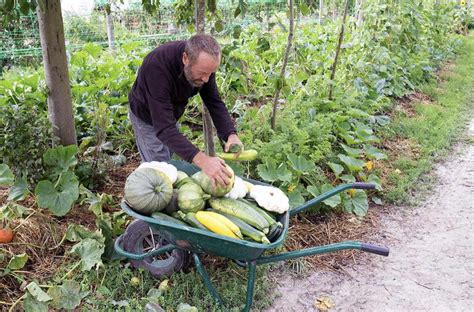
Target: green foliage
(23, 138)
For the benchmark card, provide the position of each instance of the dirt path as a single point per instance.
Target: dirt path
(431, 264)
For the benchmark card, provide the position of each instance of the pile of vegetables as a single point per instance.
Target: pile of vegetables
(239, 210)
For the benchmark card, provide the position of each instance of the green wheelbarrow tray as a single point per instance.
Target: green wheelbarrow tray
(244, 252)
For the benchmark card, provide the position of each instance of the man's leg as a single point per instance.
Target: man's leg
(149, 146)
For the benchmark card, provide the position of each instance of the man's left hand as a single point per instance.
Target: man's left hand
(231, 140)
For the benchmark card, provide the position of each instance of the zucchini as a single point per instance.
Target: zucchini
(247, 229)
(164, 217)
(267, 215)
(247, 155)
(240, 210)
(190, 218)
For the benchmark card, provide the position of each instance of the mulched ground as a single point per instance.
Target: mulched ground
(39, 235)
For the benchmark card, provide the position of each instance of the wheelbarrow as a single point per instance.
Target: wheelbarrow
(164, 247)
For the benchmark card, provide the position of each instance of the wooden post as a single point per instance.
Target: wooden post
(56, 74)
(110, 25)
(200, 24)
(283, 68)
(338, 49)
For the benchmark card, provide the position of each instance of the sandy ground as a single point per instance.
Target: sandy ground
(431, 262)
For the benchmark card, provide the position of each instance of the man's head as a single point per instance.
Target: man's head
(201, 58)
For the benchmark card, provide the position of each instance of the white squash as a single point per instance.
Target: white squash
(169, 170)
(239, 190)
(270, 198)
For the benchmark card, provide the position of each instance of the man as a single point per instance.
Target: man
(168, 77)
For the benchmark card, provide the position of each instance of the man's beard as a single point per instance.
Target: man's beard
(189, 77)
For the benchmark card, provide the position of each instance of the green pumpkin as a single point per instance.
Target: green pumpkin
(148, 190)
(191, 197)
(179, 180)
(205, 182)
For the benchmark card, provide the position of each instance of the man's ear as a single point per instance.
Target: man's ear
(185, 58)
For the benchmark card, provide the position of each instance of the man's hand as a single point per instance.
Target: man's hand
(233, 139)
(214, 167)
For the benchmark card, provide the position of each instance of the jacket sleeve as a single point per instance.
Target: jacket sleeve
(219, 113)
(158, 88)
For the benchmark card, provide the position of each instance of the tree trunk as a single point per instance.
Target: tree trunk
(110, 26)
(283, 68)
(56, 74)
(200, 24)
(338, 49)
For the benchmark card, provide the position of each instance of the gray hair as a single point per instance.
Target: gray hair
(202, 43)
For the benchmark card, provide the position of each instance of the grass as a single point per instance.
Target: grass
(428, 133)
(111, 288)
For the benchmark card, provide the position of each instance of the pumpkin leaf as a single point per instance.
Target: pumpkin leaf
(374, 153)
(348, 178)
(351, 163)
(332, 201)
(90, 251)
(19, 190)
(296, 199)
(60, 159)
(59, 199)
(271, 173)
(301, 164)
(357, 203)
(336, 168)
(37, 292)
(67, 296)
(31, 304)
(12, 210)
(354, 152)
(17, 262)
(375, 179)
(6, 176)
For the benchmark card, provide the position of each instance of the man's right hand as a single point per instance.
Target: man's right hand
(214, 168)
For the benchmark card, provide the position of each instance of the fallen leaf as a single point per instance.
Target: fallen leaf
(323, 304)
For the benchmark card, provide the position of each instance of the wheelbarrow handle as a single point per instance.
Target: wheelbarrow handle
(378, 250)
(330, 193)
(134, 256)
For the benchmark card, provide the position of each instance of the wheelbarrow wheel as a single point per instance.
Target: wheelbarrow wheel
(139, 238)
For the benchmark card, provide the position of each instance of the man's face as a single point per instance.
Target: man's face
(199, 72)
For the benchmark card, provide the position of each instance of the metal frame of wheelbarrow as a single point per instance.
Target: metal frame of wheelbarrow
(249, 253)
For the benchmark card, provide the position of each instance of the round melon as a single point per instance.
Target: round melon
(191, 197)
(148, 190)
(205, 182)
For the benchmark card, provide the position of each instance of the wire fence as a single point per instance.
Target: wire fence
(20, 42)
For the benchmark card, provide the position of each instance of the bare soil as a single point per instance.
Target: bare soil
(431, 261)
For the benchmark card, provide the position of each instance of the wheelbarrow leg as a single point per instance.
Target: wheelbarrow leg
(250, 285)
(206, 280)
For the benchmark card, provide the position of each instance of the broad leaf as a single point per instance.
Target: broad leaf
(348, 178)
(76, 233)
(6, 175)
(296, 199)
(61, 198)
(374, 153)
(269, 172)
(90, 251)
(19, 190)
(351, 163)
(375, 179)
(331, 201)
(357, 204)
(17, 262)
(61, 158)
(301, 164)
(12, 210)
(354, 152)
(31, 304)
(377, 201)
(336, 168)
(67, 296)
(37, 292)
